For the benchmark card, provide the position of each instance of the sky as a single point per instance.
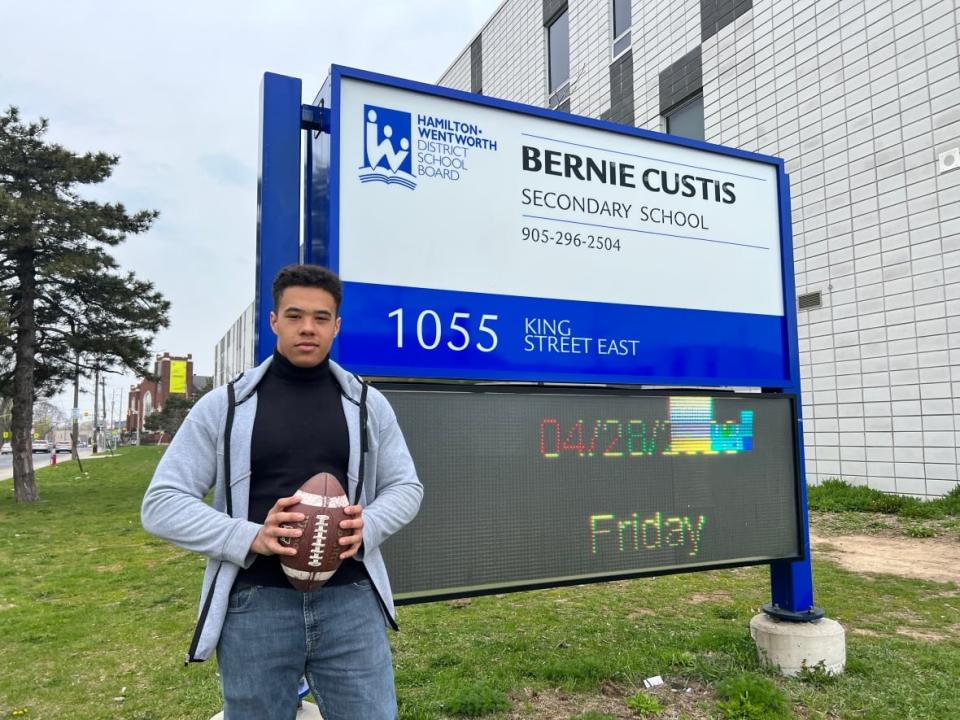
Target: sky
(173, 89)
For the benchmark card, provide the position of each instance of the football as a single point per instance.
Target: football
(322, 500)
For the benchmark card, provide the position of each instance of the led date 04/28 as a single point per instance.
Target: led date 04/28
(566, 238)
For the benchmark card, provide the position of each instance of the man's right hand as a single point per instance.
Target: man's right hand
(267, 541)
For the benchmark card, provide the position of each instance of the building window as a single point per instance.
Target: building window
(558, 58)
(621, 26)
(686, 119)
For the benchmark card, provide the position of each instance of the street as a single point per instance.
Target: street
(39, 460)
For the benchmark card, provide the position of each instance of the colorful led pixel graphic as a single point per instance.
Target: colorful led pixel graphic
(690, 430)
(693, 430)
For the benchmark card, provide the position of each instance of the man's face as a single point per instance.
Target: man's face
(305, 323)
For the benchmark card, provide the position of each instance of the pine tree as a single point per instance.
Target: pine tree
(64, 297)
(171, 417)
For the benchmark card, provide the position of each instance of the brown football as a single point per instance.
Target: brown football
(322, 501)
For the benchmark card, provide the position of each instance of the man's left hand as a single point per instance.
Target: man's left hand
(350, 544)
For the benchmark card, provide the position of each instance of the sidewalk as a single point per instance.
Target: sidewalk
(43, 460)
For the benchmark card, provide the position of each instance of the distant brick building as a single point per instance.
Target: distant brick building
(175, 378)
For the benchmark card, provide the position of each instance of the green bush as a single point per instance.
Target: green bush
(752, 697)
(950, 503)
(839, 496)
(887, 504)
(913, 508)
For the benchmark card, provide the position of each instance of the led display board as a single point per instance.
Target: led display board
(540, 487)
(482, 239)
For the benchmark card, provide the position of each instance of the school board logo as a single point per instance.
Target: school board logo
(387, 138)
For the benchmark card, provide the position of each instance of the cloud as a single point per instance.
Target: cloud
(227, 169)
(173, 88)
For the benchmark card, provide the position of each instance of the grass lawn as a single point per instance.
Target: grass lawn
(96, 616)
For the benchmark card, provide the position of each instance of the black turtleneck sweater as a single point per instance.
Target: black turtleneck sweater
(299, 431)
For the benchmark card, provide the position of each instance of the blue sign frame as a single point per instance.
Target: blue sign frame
(678, 347)
(278, 244)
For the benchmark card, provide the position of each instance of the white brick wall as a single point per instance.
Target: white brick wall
(458, 76)
(859, 98)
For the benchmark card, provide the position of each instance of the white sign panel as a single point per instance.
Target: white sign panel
(491, 240)
(443, 194)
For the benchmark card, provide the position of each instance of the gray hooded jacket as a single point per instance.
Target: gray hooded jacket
(174, 508)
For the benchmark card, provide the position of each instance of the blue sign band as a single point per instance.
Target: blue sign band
(412, 332)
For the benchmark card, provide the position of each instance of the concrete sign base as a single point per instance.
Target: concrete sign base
(792, 647)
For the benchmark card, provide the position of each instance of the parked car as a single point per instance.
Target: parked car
(63, 447)
(41, 446)
(7, 449)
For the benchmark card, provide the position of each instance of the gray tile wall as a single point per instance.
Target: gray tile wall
(680, 80)
(552, 8)
(717, 14)
(476, 64)
(621, 91)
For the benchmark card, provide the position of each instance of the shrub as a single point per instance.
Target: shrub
(839, 496)
(913, 508)
(888, 504)
(950, 503)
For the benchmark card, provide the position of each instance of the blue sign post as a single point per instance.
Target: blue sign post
(480, 239)
(278, 196)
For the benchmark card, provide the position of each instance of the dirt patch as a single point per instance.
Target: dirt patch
(921, 634)
(693, 701)
(921, 558)
(714, 596)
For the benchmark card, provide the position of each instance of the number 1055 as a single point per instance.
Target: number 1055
(431, 330)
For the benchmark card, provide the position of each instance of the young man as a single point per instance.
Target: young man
(254, 442)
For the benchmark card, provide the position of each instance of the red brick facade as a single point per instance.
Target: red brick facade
(149, 396)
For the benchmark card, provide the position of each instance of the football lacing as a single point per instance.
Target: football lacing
(319, 539)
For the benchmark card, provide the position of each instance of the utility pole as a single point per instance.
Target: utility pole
(103, 426)
(113, 418)
(75, 412)
(96, 405)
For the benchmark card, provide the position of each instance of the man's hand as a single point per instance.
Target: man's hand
(267, 541)
(350, 544)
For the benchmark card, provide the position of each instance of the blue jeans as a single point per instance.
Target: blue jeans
(335, 637)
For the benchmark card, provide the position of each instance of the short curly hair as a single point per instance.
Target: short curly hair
(307, 276)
